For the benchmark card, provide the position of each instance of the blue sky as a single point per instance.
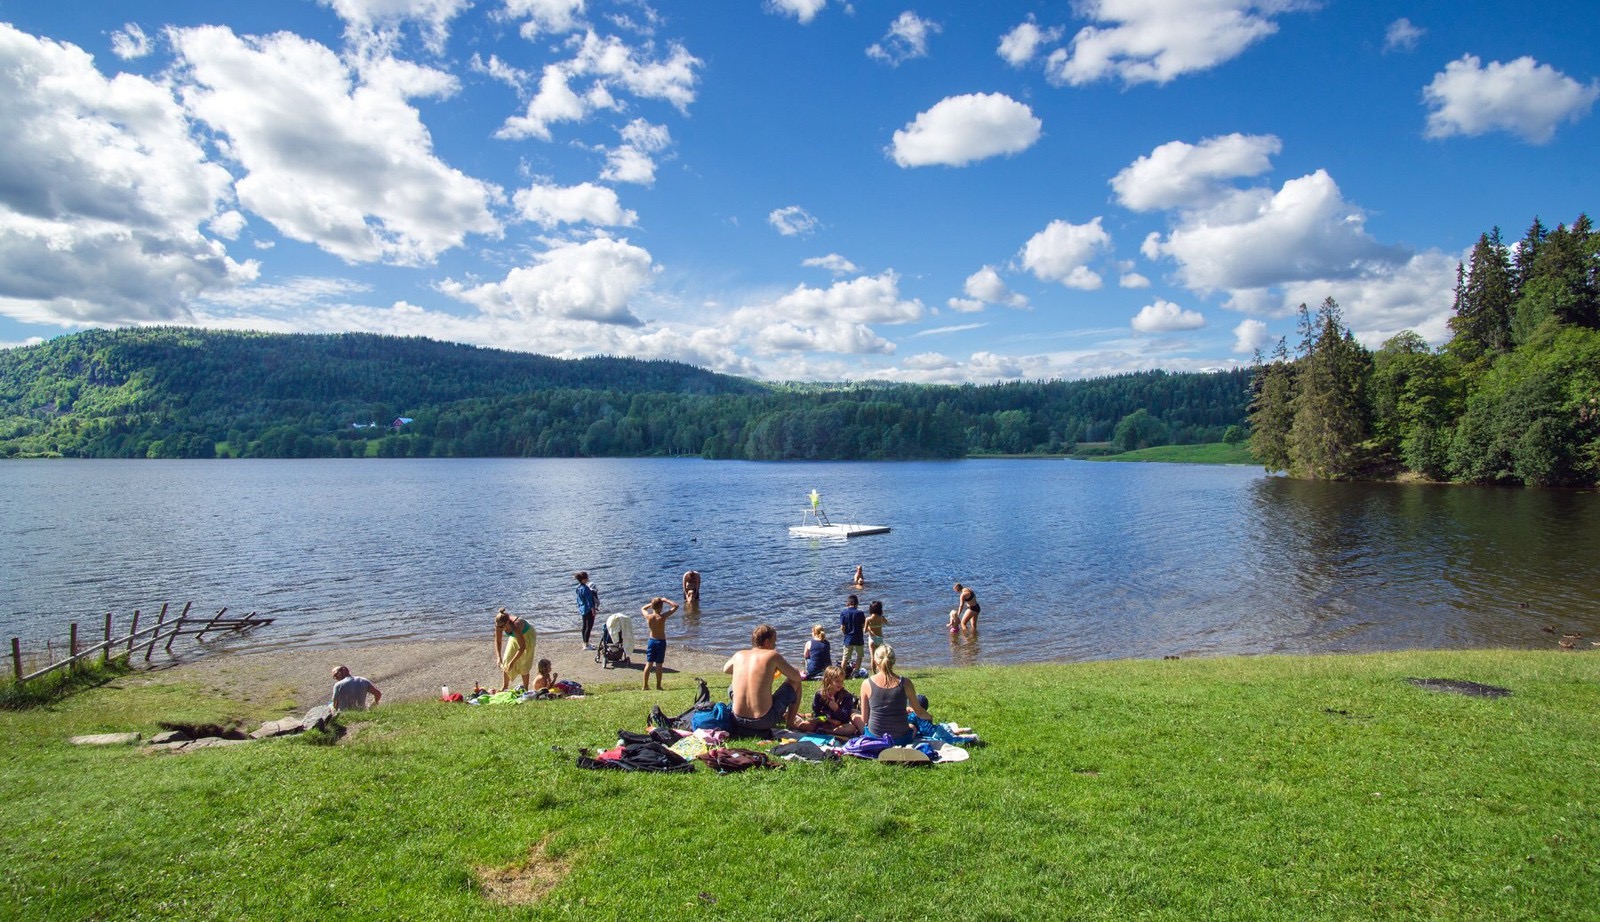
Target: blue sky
(783, 189)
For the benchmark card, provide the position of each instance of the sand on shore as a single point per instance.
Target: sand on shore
(409, 671)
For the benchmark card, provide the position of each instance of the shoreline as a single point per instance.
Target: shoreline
(403, 670)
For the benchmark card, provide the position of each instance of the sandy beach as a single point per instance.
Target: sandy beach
(408, 671)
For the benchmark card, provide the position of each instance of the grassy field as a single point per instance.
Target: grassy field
(1207, 453)
(1231, 788)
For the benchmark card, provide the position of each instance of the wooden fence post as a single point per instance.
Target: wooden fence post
(211, 622)
(157, 634)
(105, 651)
(72, 645)
(133, 630)
(178, 625)
(16, 657)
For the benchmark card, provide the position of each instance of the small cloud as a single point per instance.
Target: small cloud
(130, 42)
(793, 221)
(942, 331)
(1524, 97)
(1250, 335)
(987, 287)
(1022, 44)
(961, 129)
(833, 262)
(1061, 253)
(802, 10)
(1166, 317)
(1402, 35)
(907, 38)
(1133, 280)
(965, 305)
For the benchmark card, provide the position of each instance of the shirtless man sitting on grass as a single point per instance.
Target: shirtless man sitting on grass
(758, 709)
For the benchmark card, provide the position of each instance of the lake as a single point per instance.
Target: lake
(1071, 560)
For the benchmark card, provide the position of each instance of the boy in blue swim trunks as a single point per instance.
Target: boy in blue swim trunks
(656, 612)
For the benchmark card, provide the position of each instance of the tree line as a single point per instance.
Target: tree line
(185, 393)
(1513, 398)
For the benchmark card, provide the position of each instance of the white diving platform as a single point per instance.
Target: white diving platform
(815, 524)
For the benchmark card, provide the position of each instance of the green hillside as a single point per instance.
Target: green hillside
(184, 393)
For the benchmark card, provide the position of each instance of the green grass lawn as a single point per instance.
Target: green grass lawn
(1206, 453)
(1234, 788)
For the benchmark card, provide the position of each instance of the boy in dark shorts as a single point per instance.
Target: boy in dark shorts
(852, 623)
(655, 649)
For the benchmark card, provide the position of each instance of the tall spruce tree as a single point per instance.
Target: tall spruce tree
(1272, 409)
(1482, 321)
(1332, 415)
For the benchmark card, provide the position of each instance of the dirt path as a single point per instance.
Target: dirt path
(406, 671)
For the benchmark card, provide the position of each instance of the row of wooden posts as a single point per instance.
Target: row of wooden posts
(161, 630)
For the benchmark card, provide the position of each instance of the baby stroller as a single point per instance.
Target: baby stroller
(611, 652)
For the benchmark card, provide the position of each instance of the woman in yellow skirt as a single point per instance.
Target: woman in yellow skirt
(516, 658)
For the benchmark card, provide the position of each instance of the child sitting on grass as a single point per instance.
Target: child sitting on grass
(833, 708)
(546, 679)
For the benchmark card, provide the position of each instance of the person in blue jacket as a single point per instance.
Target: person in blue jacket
(852, 623)
(588, 605)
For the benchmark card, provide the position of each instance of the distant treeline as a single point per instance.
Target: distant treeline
(1513, 398)
(184, 393)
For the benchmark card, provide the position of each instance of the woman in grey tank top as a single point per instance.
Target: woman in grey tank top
(885, 697)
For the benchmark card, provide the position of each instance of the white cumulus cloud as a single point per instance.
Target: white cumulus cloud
(1524, 97)
(130, 42)
(330, 158)
(550, 205)
(1250, 335)
(833, 263)
(1157, 41)
(1402, 35)
(1022, 44)
(1165, 317)
(1178, 174)
(961, 129)
(545, 16)
(1258, 238)
(907, 38)
(987, 287)
(368, 17)
(103, 194)
(634, 160)
(803, 10)
(595, 281)
(792, 221)
(1062, 251)
(838, 318)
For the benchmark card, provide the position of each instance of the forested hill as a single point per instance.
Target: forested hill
(184, 393)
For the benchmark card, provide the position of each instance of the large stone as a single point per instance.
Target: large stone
(211, 742)
(105, 739)
(169, 736)
(278, 728)
(318, 717)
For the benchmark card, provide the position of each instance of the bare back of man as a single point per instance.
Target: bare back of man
(755, 704)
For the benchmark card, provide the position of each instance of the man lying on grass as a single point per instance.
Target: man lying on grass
(757, 708)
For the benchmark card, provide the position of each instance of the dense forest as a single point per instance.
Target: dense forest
(185, 393)
(1513, 398)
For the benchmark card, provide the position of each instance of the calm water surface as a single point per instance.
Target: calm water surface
(1071, 560)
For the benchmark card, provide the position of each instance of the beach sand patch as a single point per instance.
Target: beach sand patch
(525, 882)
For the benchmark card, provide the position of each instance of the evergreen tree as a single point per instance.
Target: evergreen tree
(1482, 321)
(1332, 418)
(1272, 391)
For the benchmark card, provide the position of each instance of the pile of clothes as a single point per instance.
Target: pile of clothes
(480, 695)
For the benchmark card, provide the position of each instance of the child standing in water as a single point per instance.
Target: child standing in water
(874, 625)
